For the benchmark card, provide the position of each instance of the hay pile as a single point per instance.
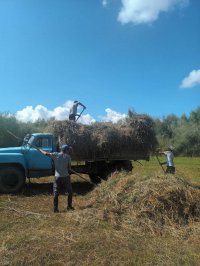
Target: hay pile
(148, 202)
(133, 137)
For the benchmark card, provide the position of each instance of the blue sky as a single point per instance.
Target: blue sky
(111, 55)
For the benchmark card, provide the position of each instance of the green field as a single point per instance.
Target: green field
(186, 167)
(116, 223)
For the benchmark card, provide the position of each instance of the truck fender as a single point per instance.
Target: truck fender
(14, 158)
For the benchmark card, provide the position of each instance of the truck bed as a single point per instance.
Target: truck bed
(110, 157)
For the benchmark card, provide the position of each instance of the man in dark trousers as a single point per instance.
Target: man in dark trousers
(62, 162)
(73, 111)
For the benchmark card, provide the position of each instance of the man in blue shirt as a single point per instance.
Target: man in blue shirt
(62, 162)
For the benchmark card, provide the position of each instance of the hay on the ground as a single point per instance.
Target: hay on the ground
(148, 202)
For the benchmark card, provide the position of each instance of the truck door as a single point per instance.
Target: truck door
(36, 161)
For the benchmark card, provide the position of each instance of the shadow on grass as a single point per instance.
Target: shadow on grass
(33, 189)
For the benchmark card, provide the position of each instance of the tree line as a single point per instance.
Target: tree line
(183, 133)
(19, 129)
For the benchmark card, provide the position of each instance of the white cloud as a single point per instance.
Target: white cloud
(113, 116)
(30, 114)
(146, 11)
(104, 3)
(191, 80)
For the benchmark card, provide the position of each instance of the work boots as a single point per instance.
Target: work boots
(55, 204)
(69, 205)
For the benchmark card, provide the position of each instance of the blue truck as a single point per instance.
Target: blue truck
(19, 163)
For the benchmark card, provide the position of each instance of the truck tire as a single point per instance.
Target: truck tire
(12, 180)
(126, 166)
(95, 178)
(116, 166)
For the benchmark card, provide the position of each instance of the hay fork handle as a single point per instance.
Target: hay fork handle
(80, 115)
(74, 172)
(160, 163)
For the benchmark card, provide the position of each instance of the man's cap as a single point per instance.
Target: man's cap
(171, 148)
(65, 147)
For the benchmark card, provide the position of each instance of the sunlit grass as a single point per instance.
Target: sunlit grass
(186, 167)
(99, 231)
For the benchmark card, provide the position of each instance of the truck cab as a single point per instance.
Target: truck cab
(37, 164)
(19, 163)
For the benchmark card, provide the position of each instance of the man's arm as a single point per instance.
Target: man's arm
(162, 152)
(69, 166)
(44, 152)
(82, 105)
(163, 163)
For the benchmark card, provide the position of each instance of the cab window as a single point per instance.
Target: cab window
(44, 142)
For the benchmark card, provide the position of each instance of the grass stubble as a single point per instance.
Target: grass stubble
(142, 218)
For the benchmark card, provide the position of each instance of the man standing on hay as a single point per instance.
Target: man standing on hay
(73, 115)
(170, 160)
(62, 163)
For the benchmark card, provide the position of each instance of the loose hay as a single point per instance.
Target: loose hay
(150, 203)
(133, 137)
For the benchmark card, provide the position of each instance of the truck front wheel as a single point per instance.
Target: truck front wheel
(12, 180)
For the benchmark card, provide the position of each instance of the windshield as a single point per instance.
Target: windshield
(27, 139)
(44, 142)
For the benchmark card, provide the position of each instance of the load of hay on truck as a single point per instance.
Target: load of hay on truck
(104, 147)
(98, 150)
